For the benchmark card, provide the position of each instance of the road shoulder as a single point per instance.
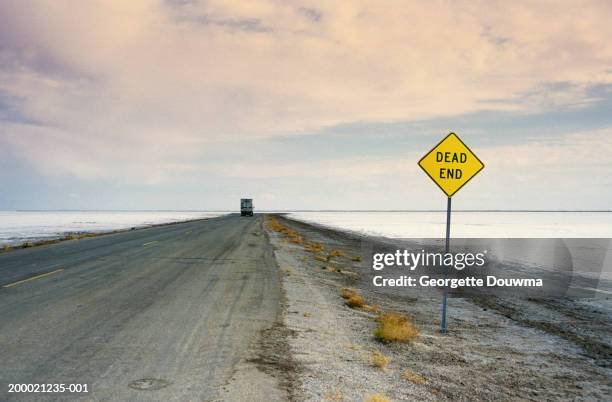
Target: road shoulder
(267, 372)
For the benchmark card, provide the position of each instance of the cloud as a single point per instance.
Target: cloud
(148, 90)
(569, 171)
(579, 156)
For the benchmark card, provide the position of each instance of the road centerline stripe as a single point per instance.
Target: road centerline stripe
(151, 242)
(32, 278)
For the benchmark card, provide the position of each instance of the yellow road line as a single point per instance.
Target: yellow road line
(32, 278)
(154, 241)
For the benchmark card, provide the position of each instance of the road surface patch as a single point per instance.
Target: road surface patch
(10, 285)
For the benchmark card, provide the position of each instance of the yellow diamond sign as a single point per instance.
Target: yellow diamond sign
(451, 164)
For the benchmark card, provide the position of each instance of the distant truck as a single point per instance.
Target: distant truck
(246, 207)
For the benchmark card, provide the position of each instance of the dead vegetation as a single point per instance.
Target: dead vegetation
(86, 235)
(413, 377)
(380, 397)
(289, 233)
(347, 292)
(395, 327)
(318, 250)
(314, 247)
(354, 300)
(335, 253)
(293, 236)
(379, 360)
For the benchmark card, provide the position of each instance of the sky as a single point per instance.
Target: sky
(302, 105)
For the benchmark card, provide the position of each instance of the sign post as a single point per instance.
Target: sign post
(450, 164)
(443, 325)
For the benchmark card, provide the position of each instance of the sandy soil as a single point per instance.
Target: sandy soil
(495, 349)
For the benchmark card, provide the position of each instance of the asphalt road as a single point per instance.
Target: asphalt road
(180, 304)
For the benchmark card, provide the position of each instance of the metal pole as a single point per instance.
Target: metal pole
(443, 325)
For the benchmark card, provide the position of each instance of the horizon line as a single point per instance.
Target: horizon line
(306, 210)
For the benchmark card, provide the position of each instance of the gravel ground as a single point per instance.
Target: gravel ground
(488, 354)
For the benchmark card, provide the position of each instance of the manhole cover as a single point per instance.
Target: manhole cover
(149, 384)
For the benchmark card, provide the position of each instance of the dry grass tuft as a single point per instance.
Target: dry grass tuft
(395, 327)
(314, 247)
(320, 258)
(355, 301)
(379, 360)
(86, 235)
(290, 234)
(307, 314)
(335, 253)
(411, 376)
(380, 397)
(347, 292)
(27, 245)
(6, 247)
(356, 258)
